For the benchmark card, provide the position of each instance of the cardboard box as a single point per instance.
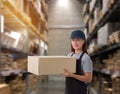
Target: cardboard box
(114, 37)
(84, 7)
(86, 18)
(92, 4)
(5, 89)
(46, 65)
(18, 4)
(103, 34)
(91, 25)
(37, 4)
(96, 16)
(105, 6)
(7, 40)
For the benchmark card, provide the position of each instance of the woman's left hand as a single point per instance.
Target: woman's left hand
(68, 73)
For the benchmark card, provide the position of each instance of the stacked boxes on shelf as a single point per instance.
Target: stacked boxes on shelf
(9, 64)
(6, 61)
(43, 24)
(111, 2)
(106, 86)
(40, 7)
(109, 64)
(33, 82)
(95, 83)
(111, 87)
(93, 46)
(104, 7)
(17, 85)
(7, 40)
(114, 37)
(96, 15)
(85, 8)
(38, 13)
(86, 18)
(85, 13)
(21, 45)
(106, 4)
(37, 4)
(116, 85)
(106, 34)
(33, 47)
(44, 9)
(34, 15)
(18, 4)
(98, 65)
(46, 35)
(20, 64)
(103, 34)
(113, 63)
(35, 19)
(91, 25)
(14, 41)
(92, 4)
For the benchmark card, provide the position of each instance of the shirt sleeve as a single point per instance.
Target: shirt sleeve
(87, 64)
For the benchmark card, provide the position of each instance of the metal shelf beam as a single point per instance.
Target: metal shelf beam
(107, 49)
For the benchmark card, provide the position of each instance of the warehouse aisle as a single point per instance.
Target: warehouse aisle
(55, 85)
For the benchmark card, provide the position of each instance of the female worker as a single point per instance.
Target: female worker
(77, 83)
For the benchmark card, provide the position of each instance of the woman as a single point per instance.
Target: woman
(77, 83)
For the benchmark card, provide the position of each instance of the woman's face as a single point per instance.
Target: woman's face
(77, 43)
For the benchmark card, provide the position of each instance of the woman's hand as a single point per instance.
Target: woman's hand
(68, 73)
(87, 77)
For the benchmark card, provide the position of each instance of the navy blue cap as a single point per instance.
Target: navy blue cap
(78, 34)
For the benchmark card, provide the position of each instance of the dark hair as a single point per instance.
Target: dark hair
(84, 48)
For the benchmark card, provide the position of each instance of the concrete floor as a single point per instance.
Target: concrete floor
(55, 85)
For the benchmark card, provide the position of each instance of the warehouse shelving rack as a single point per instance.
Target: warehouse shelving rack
(103, 20)
(19, 20)
(106, 49)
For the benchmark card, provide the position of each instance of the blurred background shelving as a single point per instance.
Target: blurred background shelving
(101, 18)
(23, 32)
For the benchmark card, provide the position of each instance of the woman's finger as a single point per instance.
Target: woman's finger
(65, 70)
